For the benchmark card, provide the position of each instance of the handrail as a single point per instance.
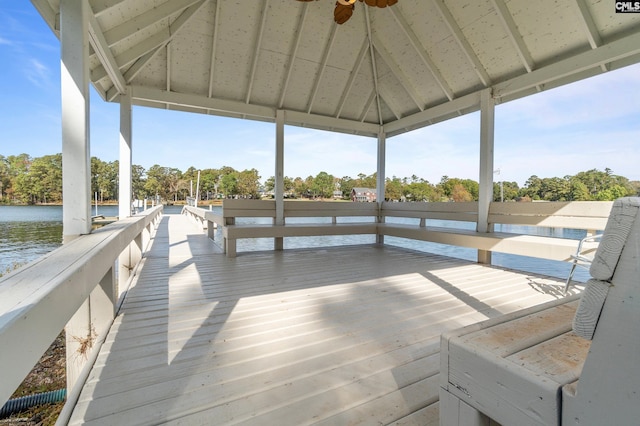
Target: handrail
(39, 299)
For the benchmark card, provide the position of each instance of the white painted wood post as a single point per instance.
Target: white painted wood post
(74, 84)
(487, 116)
(278, 243)
(381, 170)
(76, 163)
(125, 163)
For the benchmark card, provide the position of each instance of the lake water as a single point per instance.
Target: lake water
(28, 232)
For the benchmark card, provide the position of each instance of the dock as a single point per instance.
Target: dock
(340, 335)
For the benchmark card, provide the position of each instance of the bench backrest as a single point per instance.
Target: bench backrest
(617, 233)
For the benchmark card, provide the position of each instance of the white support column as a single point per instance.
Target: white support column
(279, 176)
(125, 180)
(380, 189)
(76, 164)
(487, 118)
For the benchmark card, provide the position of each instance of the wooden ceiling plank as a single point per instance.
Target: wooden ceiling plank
(514, 35)
(398, 73)
(422, 53)
(323, 65)
(352, 78)
(144, 20)
(463, 43)
(294, 53)
(256, 51)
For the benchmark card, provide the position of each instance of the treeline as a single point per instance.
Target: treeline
(39, 180)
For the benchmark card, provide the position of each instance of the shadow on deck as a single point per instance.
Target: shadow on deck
(338, 335)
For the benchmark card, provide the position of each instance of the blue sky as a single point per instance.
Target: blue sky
(590, 124)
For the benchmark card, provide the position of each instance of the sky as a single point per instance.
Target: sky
(591, 124)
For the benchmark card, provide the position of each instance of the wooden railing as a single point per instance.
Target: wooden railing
(73, 286)
(589, 216)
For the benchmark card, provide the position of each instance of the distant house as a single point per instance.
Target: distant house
(363, 195)
(337, 194)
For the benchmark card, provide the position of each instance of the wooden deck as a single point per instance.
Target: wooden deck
(345, 335)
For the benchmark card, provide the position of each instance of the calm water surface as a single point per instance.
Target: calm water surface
(28, 232)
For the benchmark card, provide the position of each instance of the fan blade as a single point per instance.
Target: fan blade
(342, 13)
(380, 3)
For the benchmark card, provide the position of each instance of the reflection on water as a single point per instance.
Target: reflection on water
(28, 232)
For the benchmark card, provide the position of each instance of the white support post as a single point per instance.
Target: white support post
(76, 163)
(279, 177)
(125, 180)
(487, 116)
(74, 84)
(380, 183)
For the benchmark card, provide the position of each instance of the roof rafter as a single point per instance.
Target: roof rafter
(144, 20)
(101, 6)
(613, 51)
(214, 44)
(514, 35)
(142, 53)
(374, 68)
(422, 53)
(106, 57)
(323, 66)
(589, 26)
(398, 73)
(463, 43)
(256, 51)
(294, 53)
(352, 78)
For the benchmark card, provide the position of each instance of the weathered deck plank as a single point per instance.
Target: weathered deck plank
(329, 336)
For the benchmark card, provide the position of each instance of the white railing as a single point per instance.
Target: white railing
(589, 216)
(74, 286)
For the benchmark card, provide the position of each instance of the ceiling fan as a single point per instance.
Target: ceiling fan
(344, 8)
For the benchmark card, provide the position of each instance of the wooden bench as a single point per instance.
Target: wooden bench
(234, 209)
(539, 366)
(300, 220)
(591, 216)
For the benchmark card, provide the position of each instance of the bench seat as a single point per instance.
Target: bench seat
(525, 245)
(232, 232)
(513, 367)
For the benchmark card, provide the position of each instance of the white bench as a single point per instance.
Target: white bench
(233, 209)
(537, 367)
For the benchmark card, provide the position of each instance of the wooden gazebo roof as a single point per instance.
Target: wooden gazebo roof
(402, 67)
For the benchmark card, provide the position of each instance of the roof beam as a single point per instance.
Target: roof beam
(325, 123)
(352, 78)
(101, 6)
(50, 16)
(145, 94)
(613, 51)
(437, 113)
(256, 52)
(374, 68)
(144, 20)
(426, 59)
(109, 63)
(589, 26)
(398, 73)
(323, 65)
(214, 44)
(151, 44)
(462, 42)
(294, 53)
(514, 35)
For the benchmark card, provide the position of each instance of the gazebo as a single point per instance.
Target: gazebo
(389, 69)
(386, 71)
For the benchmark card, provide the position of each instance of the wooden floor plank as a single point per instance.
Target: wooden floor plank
(328, 335)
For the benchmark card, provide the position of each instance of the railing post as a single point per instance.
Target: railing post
(380, 184)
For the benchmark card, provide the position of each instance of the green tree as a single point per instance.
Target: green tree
(393, 189)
